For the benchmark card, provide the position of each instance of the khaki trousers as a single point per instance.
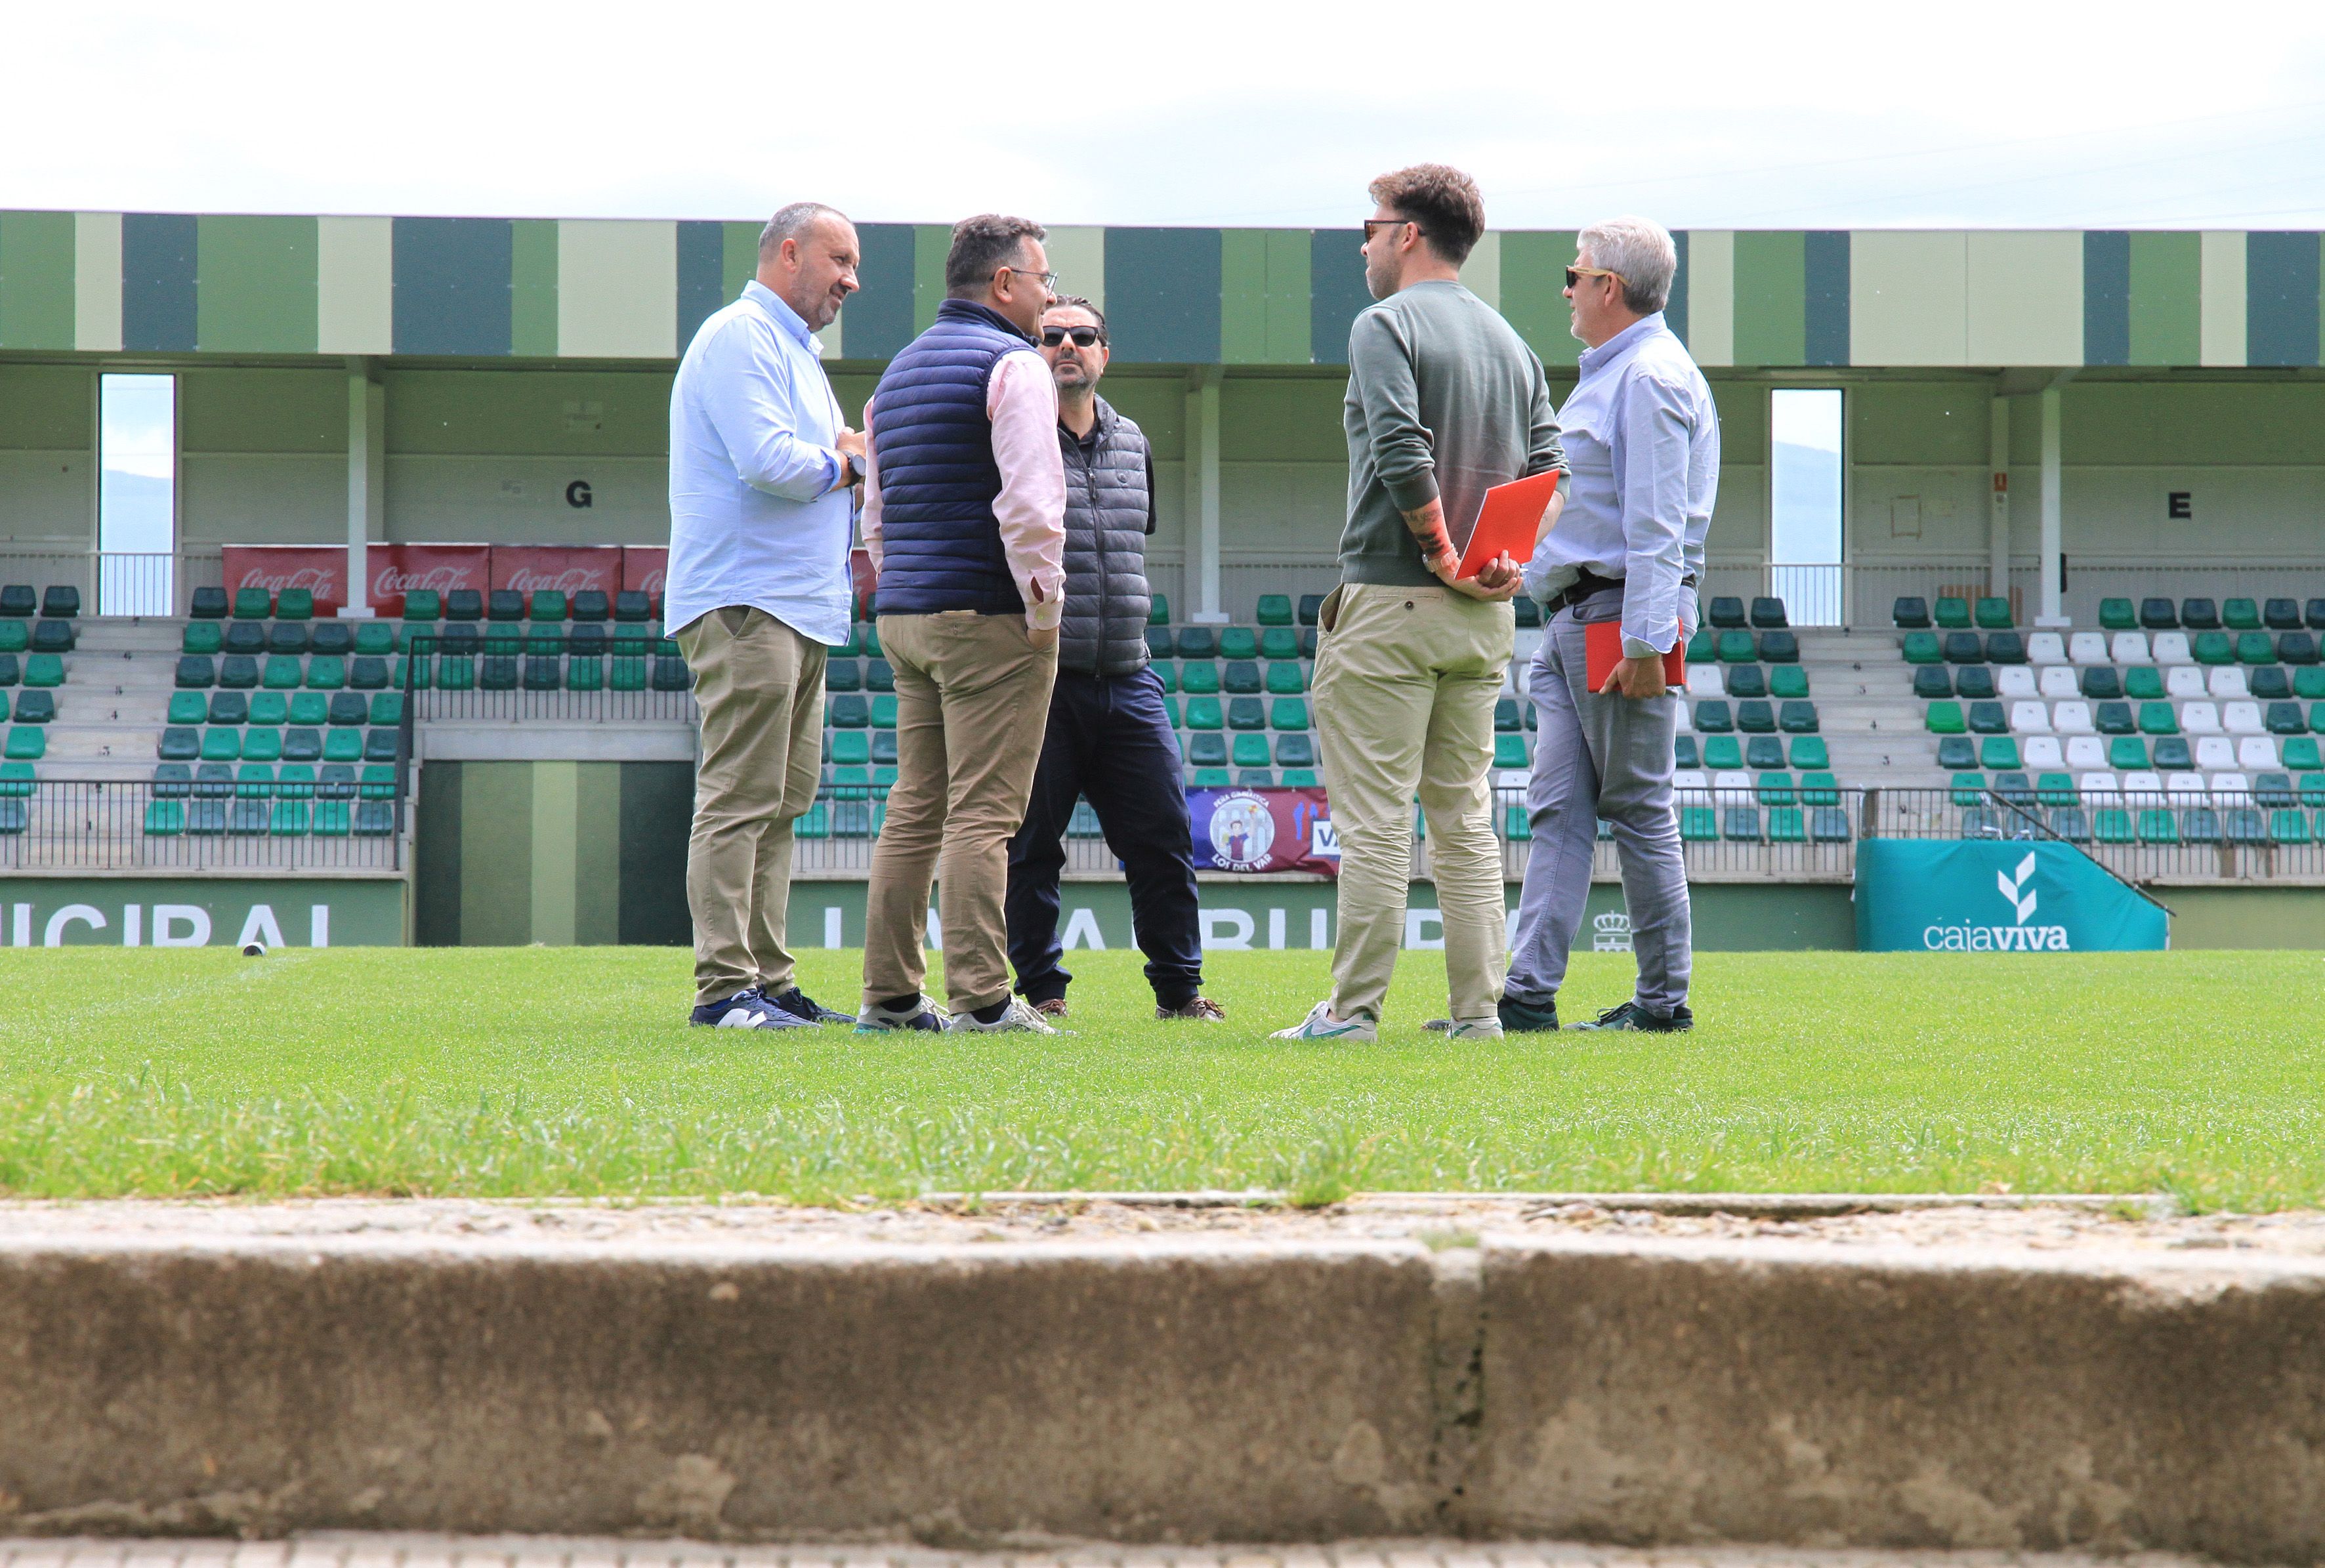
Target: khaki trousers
(759, 686)
(1405, 688)
(972, 702)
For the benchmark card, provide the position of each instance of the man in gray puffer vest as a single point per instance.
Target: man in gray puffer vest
(1109, 737)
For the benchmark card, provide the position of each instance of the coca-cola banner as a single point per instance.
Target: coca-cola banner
(643, 567)
(569, 569)
(321, 569)
(398, 568)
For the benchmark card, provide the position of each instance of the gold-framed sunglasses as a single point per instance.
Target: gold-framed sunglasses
(1575, 274)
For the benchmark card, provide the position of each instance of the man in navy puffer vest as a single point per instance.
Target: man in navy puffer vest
(964, 518)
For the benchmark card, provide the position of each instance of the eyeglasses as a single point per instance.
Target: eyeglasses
(1575, 274)
(1049, 280)
(1083, 337)
(1373, 223)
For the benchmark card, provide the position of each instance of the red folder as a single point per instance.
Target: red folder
(1508, 521)
(1602, 646)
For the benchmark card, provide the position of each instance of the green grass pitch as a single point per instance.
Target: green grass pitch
(537, 1072)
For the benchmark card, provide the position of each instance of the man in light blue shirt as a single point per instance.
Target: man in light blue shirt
(762, 467)
(1642, 438)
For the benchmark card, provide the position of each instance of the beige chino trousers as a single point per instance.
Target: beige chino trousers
(972, 704)
(759, 687)
(1405, 688)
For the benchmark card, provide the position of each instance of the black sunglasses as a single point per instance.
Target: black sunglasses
(1083, 337)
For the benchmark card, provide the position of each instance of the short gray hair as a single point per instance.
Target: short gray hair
(1641, 250)
(791, 222)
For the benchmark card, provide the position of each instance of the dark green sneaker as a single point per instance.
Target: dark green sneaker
(1631, 1016)
(1523, 1018)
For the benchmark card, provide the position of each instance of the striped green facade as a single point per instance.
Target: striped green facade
(467, 288)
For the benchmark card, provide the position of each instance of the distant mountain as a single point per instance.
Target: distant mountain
(1805, 498)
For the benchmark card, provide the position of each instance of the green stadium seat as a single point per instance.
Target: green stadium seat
(1703, 647)
(1740, 824)
(2156, 718)
(254, 781)
(1506, 716)
(1199, 678)
(548, 606)
(378, 782)
(295, 605)
(1251, 752)
(2143, 683)
(2127, 754)
(1288, 713)
(1755, 718)
(1203, 714)
(2056, 789)
(1275, 610)
(2241, 825)
(2114, 718)
(2117, 615)
(386, 709)
(303, 743)
(375, 639)
(179, 745)
(1721, 753)
(1207, 749)
(267, 707)
(1241, 677)
(194, 671)
(1246, 713)
(2285, 718)
(347, 708)
(621, 675)
(1510, 752)
(1953, 614)
(326, 673)
(1198, 642)
(1932, 683)
(1159, 613)
(221, 746)
(1993, 614)
(1239, 642)
(1964, 648)
(1288, 677)
(1797, 718)
(33, 707)
(1738, 648)
(1810, 752)
(27, 744)
(542, 674)
(2172, 755)
(1745, 680)
(187, 708)
(1763, 752)
(1819, 789)
(1295, 750)
(1299, 779)
(1787, 826)
(585, 672)
(18, 780)
(2288, 826)
(282, 672)
(253, 604)
(312, 708)
(343, 746)
(1160, 643)
(2158, 614)
(1726, 611)
(1787, 681)
(1955, 753)
(1684, 754)
(2300, 755)
(1170, 712)
(2212, 648)
(368, 673)
(2158, 826)
(204, 604)
(847, 712)
(202, 637)
(44, 671)
(14, 637)
(1944, 718)
(1969, 789)
(496, 672)
(1987, 718)
(1776, 789)
(1698, 825)
(289, 818)
(1713, 717)
(2300, 649)
(1210, 778)
(262, 746)
(1974, 681)
(2240, 615)
(2113, 824)
(884, 711)
(424, 604)
(1909, 612)
(1280, 642)
(2256, 648)
(164, 818)
(1999, 751)
(1922, 647)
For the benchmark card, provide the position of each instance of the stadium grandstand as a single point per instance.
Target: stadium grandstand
(2016, 538)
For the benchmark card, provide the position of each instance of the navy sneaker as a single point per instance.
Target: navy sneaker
(807, 1010)
(1631, 1016)
(746, 1009)
(1523, 1018)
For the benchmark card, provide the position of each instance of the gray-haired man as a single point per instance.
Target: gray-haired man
(1643, 439)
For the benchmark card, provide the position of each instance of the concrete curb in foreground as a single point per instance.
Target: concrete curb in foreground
(1640, 1391)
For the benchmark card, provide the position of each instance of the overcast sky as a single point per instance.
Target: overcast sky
(1781, 116)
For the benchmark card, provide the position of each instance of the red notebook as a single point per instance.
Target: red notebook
(1602, 646)
(1508, 520)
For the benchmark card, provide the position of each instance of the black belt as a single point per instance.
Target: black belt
(1588, 584)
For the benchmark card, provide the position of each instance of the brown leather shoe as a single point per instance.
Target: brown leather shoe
(1050, 1007)
(1201, 1009)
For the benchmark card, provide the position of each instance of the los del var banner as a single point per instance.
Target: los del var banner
(1263, 830)
(1990, 896)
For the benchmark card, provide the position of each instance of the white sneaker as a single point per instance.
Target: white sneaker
(1471, 1028)
(878, 1018)
(1019, 1016)
(1321, 1025)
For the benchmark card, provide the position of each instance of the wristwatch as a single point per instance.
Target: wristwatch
(851, 470)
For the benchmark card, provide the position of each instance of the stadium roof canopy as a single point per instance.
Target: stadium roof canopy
(591, 289)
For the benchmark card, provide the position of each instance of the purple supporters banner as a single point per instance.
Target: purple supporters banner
(1263, 830)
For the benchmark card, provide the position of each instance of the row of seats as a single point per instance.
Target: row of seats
(1779, 680)
(40, 670)
(268, 743)
(2034, 717)
(2172, 753)
(288, 672)
(2158, 826)
(543, 605)
(1713, 716)
(1239, 676)
(450, 672)
(1760, 753)
(262, 781)
(2155, 615)
(31, 707)
(1230, 643)
(2152, 787)
(18, 602)
(2103, 682)
(1766, 613)
(42, 637)
(1749, 824)
(313, 709)
(270, 818)
(1769, 788)
(2128, 648)
(466, 637)
(1708, 647)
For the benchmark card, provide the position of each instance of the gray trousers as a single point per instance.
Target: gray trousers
(1599, 756)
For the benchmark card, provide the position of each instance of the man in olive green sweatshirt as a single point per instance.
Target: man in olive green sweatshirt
(1445, 401)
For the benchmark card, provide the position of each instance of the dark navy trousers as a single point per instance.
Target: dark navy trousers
(1108, 740)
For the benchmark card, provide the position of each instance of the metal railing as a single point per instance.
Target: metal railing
(2145, 839)
(156, 827)
(497, 687)
(118, 582)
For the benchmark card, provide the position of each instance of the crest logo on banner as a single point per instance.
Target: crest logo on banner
(1263, 829)
(1243, 831)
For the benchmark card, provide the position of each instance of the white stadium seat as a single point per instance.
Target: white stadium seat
(2058, 681)
(2172, 648)
(2041, 753)
(2181, 786)
(1732, 788)
(2012, 680)
(2216, 752)
(2089, 648)
(2227, 680)
(2029, 718)
(2257, 753)
(1705, 680)
(2131, 648)
(2100, 785)
(2072, 718)
(2199, 718)
(2183, 680)
(2045, 648)
(1691, 780)
(2232, 786)
(2144, 786)
(2241, 718)
(2085, 751)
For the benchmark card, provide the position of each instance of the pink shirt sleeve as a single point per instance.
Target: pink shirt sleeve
(870, 521)
(1022, 400)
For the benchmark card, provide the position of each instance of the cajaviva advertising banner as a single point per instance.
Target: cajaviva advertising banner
(1988, 896)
